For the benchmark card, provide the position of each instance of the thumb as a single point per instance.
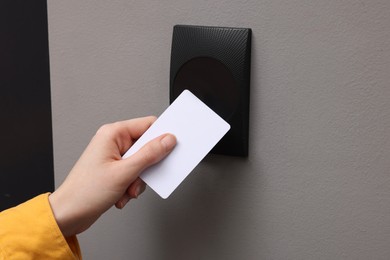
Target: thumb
(151, 153)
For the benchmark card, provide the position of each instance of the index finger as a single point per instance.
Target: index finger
(125, 133)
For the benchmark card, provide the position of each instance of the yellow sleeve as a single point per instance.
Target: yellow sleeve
(30, 231)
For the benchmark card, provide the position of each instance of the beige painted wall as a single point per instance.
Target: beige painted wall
(316, 184)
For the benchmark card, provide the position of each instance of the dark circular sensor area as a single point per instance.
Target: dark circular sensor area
(212, 82)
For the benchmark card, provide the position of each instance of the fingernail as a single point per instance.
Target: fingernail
(139, 190)
(123, 202)
(169, 141)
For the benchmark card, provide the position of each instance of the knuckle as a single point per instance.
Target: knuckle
(103, 129)
(107, 129)
(149, 155)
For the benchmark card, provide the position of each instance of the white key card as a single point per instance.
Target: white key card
(197, 129)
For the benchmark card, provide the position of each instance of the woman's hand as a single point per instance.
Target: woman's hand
(101, 179)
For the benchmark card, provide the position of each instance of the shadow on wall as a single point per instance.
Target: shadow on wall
(206, 216)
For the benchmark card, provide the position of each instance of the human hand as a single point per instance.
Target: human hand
(101, 179)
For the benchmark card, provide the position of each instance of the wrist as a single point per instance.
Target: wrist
(62, 214)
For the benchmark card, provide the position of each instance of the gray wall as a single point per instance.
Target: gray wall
(316, 184)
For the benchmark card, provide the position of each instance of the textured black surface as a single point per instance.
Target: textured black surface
(26, 153)
(214, 64)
